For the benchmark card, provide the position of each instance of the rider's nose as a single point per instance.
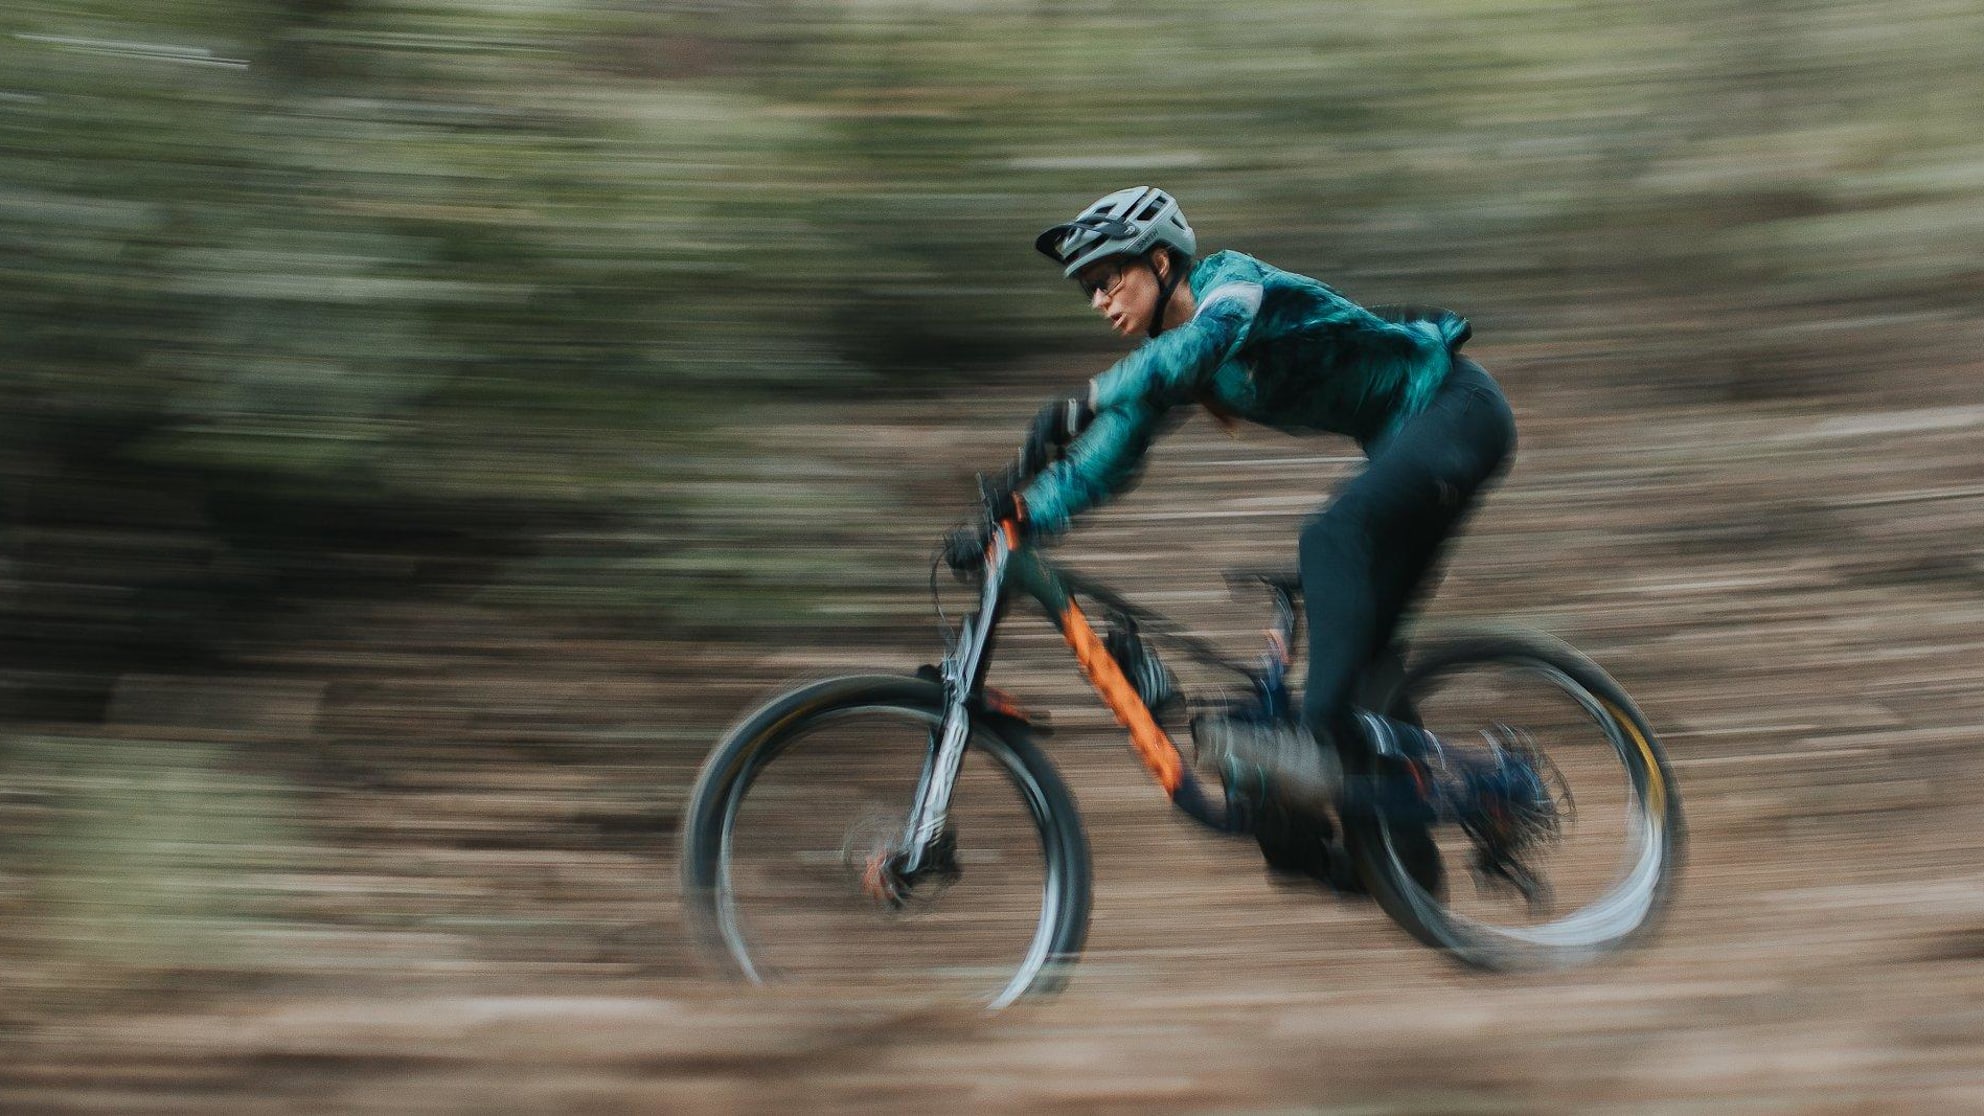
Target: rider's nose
(1098, 300)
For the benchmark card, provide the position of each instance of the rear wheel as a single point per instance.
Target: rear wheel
(1596, 862)
(790, 851)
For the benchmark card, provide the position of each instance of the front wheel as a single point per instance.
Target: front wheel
(1595, 863)
(792, 834)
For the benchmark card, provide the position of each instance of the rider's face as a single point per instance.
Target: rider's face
(1123, 290)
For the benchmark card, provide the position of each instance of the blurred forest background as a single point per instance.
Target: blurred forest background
(337, 296)
(396, 387)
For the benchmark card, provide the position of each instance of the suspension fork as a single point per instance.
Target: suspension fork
(963, 671)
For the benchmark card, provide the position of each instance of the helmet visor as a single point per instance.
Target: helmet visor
(1063, 243)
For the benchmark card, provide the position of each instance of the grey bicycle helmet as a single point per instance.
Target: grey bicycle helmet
(1126, 223)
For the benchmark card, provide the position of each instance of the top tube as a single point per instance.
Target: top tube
(1054, 587)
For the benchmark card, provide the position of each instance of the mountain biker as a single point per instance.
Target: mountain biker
(1246, 340)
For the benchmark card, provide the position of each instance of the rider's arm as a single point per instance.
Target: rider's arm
(1130, 401)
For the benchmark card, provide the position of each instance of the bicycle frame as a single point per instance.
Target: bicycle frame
(1010, 565)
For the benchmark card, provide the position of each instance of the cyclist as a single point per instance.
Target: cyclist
(1246, 340)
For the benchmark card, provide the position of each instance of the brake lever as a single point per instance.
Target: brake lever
(987, 497)
(995, 494)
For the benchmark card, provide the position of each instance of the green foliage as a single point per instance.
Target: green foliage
(140, 858)
(459, 264)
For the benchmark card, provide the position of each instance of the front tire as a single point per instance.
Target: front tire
(796, 807)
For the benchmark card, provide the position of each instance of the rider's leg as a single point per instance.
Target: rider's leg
(1364, 557)
(1361, 560)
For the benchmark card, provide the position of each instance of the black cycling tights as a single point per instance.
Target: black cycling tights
(1371, 548)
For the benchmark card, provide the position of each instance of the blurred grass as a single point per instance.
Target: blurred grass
(135, 862)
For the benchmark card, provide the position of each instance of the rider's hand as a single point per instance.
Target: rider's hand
(1057, 424)
(965, 547)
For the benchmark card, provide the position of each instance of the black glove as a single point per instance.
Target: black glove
(1057, 424)
(965, 546)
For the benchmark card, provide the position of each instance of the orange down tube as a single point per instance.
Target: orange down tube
(1152, 743)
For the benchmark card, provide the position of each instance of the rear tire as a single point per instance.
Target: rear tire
(1613, 863)
(796, 804)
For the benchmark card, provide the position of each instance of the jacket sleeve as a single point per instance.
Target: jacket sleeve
(1131, 399)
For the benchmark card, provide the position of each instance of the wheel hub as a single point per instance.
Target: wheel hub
(882, 873)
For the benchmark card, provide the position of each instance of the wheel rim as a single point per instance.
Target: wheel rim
(988, 761)
(1598, 916)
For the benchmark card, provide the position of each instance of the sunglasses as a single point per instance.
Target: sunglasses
(1104, 282)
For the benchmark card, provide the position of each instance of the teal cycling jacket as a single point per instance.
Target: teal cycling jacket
(1265, 345)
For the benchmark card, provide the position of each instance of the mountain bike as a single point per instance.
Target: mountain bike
(901, 829)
